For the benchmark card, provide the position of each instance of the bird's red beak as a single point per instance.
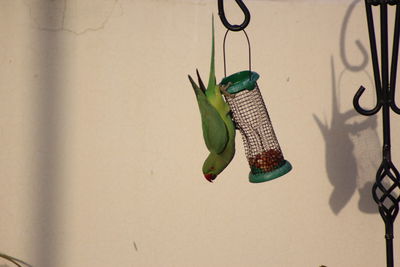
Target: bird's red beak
(210, 177)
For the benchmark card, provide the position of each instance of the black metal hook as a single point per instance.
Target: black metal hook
(229, 26)
(375, 65)
(389, 86)
(356, 103)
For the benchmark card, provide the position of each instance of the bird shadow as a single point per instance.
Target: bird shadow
(352, 145)
(349, 163)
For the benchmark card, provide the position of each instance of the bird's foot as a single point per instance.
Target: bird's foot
(224, 90)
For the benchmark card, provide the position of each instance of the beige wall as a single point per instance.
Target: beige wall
(101, 144)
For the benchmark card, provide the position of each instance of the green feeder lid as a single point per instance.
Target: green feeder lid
(243, 80)
(268, 176)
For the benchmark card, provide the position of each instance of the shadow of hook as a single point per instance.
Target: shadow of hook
(229, 26)
(362, 49)
(356, 103)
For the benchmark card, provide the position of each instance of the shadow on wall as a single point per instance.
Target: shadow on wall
(49, 67)
(352, 149)
(351, 155)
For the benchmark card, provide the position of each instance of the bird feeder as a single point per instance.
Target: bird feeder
(251, 117)
(250, 113)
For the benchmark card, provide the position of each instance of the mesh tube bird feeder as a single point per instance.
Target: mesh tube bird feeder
(251, 117)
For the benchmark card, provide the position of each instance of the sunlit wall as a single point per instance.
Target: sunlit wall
(101, 145)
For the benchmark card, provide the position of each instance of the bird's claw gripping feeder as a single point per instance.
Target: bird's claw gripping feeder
(251, 117)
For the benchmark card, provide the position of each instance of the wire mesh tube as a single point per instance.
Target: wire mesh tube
(251, 117)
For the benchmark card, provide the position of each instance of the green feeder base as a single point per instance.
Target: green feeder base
(264, 177)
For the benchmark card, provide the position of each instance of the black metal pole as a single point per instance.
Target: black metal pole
(386, 189)
(389, 243)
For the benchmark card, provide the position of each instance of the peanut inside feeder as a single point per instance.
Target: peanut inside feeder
(251, 117)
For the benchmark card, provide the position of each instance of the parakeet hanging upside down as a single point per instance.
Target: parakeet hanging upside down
(218, 127)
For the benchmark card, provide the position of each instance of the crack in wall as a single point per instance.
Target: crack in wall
(59, 16)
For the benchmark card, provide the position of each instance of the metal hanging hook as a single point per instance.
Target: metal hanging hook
(224, 50)
(376, 69)
(229, 26)
(391, 83)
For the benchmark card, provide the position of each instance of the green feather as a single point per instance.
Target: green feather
(214, 130)
(218, 127)
(212, 81)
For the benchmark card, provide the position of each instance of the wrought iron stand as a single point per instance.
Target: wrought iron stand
(387, 186)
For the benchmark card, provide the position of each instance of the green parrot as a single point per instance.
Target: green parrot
(218, 127)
